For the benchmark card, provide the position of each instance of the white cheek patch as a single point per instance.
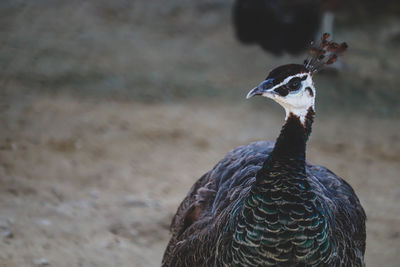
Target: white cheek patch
(295, 92)
(298, 102)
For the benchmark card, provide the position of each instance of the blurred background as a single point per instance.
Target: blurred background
(110, 111)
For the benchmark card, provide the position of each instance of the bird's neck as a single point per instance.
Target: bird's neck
(290, 147)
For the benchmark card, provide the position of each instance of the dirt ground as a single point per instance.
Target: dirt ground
(105, 125)
(96, 184)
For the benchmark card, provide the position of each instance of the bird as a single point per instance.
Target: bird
(263, 204)
(280, 26)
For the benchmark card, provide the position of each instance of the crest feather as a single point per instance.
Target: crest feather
(325, 53)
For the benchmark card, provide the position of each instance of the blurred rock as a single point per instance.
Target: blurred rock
(7, 233)
(5, 230)
(41, 262)
(95, 193)
(137, 201)
(45, 222)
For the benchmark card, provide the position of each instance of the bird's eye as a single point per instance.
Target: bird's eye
(294, 84)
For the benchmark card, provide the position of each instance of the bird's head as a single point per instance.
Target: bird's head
(292, 85)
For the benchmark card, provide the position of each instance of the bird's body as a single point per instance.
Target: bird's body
(227, 185)
(281, 25)
(264, 205)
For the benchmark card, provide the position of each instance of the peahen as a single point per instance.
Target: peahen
(280, 26)
(264, 204)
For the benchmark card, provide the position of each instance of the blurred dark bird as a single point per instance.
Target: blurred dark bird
(263, 204)
(282, 25)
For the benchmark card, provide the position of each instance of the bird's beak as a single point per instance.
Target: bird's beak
(264, 88)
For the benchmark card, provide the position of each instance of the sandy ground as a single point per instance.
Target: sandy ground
(96, 183)
(110, 110)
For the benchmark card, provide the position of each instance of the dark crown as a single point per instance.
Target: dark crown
(282, 72)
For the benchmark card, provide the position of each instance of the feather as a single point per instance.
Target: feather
(326, 53)
(197, 243)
